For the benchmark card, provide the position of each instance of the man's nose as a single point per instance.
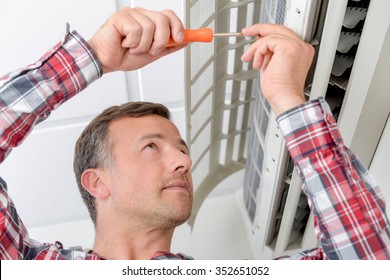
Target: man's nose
(181, 162)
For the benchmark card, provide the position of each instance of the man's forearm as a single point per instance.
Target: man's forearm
(349, 209)
(28, 95)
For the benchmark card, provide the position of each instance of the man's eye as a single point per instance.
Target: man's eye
(151, 146)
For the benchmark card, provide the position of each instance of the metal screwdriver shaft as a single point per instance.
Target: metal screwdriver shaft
(228, 35)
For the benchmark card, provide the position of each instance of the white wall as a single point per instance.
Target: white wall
(380, 165)
(39, 172)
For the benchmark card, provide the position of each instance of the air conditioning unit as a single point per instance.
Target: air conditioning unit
(231, 128)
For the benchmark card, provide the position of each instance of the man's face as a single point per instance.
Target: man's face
(150, 179)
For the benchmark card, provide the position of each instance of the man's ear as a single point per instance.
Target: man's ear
(96, 183)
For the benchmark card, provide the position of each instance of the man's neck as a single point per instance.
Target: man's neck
(132, 244)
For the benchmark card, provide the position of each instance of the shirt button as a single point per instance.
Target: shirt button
(59, 245)
(330, 119)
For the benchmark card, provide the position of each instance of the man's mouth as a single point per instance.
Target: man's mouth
(178, 186)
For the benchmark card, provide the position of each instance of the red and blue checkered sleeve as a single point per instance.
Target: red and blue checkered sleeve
(28, 95)
(349, 209)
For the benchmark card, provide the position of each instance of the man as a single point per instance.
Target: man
(133, 167)
(133, 170)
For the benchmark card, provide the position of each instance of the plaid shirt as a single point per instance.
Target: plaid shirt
(349, 211)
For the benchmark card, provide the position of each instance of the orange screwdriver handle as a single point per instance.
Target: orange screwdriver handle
(193, 35)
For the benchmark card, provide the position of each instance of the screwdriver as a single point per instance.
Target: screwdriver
(200, 35)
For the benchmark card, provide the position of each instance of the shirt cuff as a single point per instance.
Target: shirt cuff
(309, 128)
(75, 64)
(84, 56)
